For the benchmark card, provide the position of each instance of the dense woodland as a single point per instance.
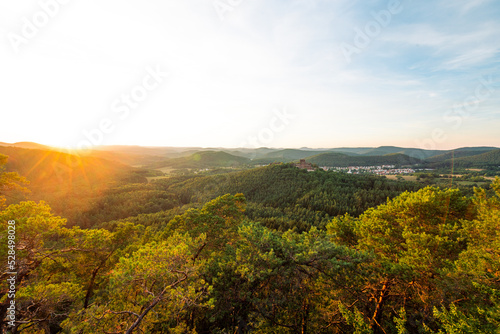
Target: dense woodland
(273, 249)
(281, 197)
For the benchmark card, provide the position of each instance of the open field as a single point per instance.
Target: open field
(406, 177)
(166, 170)
(443, 180)
(157, 177)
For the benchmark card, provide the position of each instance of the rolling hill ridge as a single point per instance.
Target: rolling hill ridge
(343, 160)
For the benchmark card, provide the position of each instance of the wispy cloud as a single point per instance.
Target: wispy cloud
(227, 75)
(464, 6)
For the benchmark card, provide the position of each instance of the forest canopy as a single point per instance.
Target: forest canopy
(268, 250)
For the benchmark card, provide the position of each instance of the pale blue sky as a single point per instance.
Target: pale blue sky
(349, 73)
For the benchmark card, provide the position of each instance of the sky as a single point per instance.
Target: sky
(251, 73)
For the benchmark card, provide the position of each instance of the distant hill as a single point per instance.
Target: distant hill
(69, 183)
(287, 155)
(291, 155)
(411, 152)
(344, 160)
(250, 153)
(460, 153)
(179, 152)
(351, 150)
(130, 159)
(26, 144)
(164, 152)
(53, 170)
(483, 149)
(205, 159)
(488, 159)
(383, 150)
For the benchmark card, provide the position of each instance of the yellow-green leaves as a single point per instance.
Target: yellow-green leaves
(10, 181)
(155, 283)
(416, 228)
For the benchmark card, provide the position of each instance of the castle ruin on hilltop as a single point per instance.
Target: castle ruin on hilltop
(305, 165)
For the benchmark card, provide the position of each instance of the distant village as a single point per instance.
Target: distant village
(378, 170)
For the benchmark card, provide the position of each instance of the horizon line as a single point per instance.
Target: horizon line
(245, 148)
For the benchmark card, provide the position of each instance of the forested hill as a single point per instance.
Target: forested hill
(343, 160)
(289, 155)
(487, 159)
(460, 153)
(27, 144)
(280, 196)
(49, 170)
(412, 152)
(68, 182)
(204, 159)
